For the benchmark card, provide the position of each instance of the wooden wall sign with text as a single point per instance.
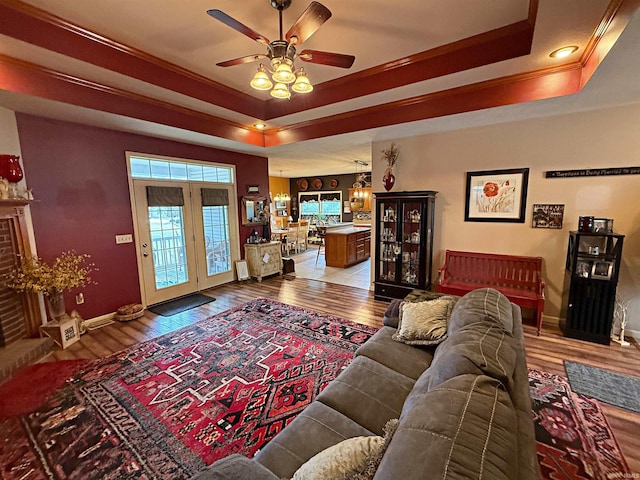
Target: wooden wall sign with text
(593, 172)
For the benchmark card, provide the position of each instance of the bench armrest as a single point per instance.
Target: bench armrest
(541, 287)
(442, 273)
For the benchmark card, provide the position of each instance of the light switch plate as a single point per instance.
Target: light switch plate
(128, 238)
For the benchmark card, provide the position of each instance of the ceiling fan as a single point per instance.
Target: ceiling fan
(282, 52)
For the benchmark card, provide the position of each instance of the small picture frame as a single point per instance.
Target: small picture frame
(602, 225)
(242, 271)
(584, 268)
(602, 269)
(253, 188)
(547, 215)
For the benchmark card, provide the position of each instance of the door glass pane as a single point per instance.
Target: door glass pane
(216, 235)
(168, 246)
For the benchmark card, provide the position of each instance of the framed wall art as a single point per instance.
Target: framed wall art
(547, 215)
(242, 270)
(496, 195)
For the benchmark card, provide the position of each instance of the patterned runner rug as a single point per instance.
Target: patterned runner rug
(613, 388)
(166, 408)
(574, 438)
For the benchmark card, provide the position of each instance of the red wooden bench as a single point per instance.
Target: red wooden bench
(518, 278)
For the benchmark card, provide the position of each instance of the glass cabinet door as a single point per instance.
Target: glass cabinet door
(404, 226)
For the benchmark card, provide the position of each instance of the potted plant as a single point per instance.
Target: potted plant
(69, 270)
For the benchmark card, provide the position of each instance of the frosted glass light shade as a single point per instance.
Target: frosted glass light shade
(280, 90)
(261, 80)
(283, 73)
(302, 83)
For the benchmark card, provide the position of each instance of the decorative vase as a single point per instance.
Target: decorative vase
(388, 180)
(10, 168)
(55, 305)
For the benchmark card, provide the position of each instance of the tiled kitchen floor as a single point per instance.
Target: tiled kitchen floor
(358, 276)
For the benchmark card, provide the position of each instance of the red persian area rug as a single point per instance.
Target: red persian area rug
(574, 438)
(31, 385)
(166, 408)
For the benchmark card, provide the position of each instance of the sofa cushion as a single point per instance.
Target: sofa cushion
(405, 359)
(368, 392)
(315, 429)
(484, 303)
(391, 315)
(235, 466)
(424, 323)
(464, 428)
(347, 457)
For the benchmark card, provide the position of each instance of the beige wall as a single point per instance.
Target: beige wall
(595, 139)
(9, 141)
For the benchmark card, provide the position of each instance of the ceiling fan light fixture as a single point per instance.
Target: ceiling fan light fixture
(302, 83)
(280, 90)
(261, 80)
(283, 72)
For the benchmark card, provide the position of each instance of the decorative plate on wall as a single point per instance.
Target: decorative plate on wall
(303, 184)
(317, 183)
(333, 183)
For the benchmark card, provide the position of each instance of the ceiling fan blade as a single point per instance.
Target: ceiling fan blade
(310, 21)
(238, 61)
(327, 58)
(236, 25)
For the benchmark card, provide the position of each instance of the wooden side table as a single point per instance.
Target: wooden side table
(263, 259)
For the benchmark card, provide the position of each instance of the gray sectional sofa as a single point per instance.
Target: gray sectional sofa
(463, 406)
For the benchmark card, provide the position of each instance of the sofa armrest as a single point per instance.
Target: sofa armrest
(235, 467)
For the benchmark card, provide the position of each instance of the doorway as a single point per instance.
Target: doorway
(186, 234)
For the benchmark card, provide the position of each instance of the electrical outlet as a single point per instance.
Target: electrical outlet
(80, 298)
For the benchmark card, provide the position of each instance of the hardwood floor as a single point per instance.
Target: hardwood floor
(546, 352)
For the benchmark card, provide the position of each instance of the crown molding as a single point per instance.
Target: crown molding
(31, 79)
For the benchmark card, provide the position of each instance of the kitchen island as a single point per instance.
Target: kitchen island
(347, 246)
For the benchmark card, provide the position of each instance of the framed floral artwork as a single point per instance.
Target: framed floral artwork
(496, 195)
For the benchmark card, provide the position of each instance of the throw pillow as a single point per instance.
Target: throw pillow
(346, 457)
(392, 314)
(374, 461)
(424, 323)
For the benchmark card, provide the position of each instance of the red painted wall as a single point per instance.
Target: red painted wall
(78, 175)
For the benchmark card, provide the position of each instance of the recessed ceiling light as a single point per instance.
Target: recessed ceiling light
(260, 126)
(563, 52)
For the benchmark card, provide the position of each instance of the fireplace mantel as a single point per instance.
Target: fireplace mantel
(12, 218)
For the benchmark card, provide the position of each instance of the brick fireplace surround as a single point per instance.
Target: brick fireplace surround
(20, 314)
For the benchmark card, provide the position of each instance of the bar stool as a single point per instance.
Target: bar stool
(321, 233)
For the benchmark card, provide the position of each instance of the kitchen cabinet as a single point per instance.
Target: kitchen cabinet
(347, 246)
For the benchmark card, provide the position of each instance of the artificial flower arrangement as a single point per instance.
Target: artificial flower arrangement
(69, 270)
(390, 155)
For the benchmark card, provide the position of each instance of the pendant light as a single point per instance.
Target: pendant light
(282, 196)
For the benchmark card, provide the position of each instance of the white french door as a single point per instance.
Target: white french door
(186, 236)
